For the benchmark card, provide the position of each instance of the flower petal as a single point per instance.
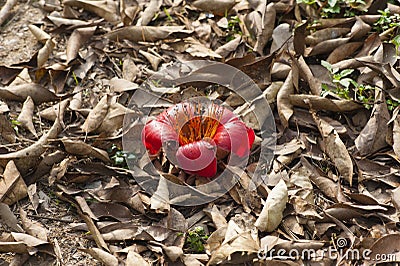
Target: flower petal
(155, 133)
(198, 158)
(227, 117)
(236, 137)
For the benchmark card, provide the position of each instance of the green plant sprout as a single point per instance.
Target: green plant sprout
(233, 28)
(195, 240)
(386, 21)
(328, 8)
(346, 87)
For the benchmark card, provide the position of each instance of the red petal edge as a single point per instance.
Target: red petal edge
(235, 130)
(154, 133)
(192, 155)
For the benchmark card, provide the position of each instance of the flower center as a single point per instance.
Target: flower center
(196, 121)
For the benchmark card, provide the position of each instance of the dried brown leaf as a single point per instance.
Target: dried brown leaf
(32, 227)
(81, 148)
(321, 103)
(12, 185)
(7, 132)
(373, 136)
(272, 212)
(8, 218)
(285, 108)
(103, 256)
(335, 148)
(149, 13)
(160, 199)
(147, 33)
(227, 48)
(217, 7)
(36, 149)
(96, 115)
(388, 245)
(39, 34)
(26, 116)
(102, 8)
(45, 52)
(134, 259)
(19, 93)
(77, 39)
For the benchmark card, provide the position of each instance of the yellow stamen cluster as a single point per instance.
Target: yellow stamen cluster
(196, 121)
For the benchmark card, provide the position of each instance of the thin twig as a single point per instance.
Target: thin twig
(51, 218)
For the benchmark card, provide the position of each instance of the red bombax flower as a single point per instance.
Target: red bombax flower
(198, 129)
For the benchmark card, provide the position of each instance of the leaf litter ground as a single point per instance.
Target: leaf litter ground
(328, 70)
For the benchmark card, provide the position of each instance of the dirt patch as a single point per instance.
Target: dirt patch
(17, 44)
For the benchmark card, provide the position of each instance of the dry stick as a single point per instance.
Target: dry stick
(6, 10)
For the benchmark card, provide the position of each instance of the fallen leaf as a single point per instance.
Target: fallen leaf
(38, 93)
(8, 218)
(32, 227)
(373, 136)
(26, 115)
(134, 259)
(7, 132)
(12, 185)
(272, 212)
(218, 7)
(45, 52)
(285, 108)
(149, 13)
(80, 148)
(96, 115)
(103, 256)
(335, 148)
(147, 33)
(78, 39)
(102, 8)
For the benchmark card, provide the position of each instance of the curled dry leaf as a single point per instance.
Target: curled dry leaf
(114, 118)
(335, 148)
(3, 108)
(36, 149)
(19, 93)
(264, 31)
(26, 116)
(396, 136)
(154, 60)
(285, 108)
(147, 33)
(160, 199)
(134, 259)
(103, 256)
(12, 185)
(322, 103)
(128, 10)
(81, 148)
(217, 7)
(33, 228)
(102, 8)
(8, 218)
(149, 13)
(7, 132)
(272, 212)
(96, 115)
(39, 34)
(45, 52)
(78, 38)
(373, 136)
(227, 48)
